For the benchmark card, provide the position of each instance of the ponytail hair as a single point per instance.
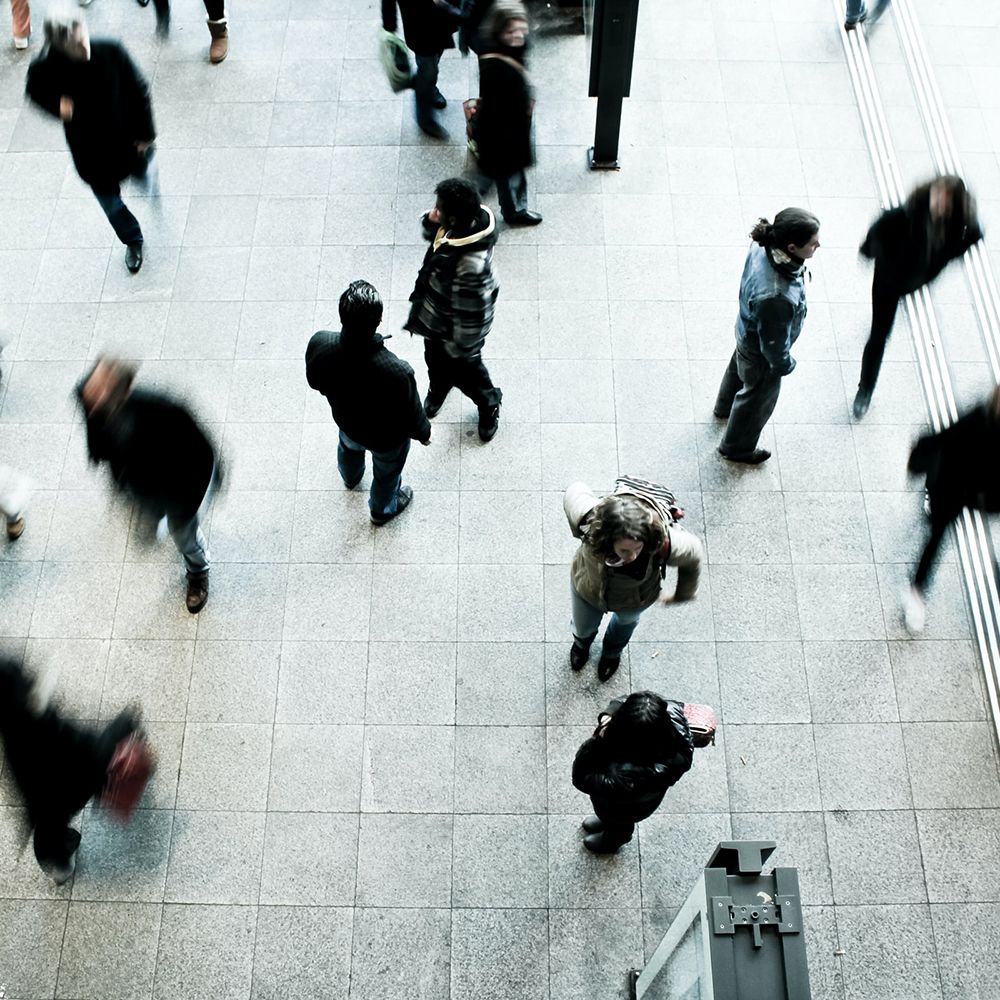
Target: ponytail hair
(793, 226)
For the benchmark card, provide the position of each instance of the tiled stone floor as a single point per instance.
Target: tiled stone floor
(365, 738)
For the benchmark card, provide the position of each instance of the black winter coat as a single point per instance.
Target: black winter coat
(111, 108)
(427, 27)
(627, 792)
(156, 451)
(899, 242)
(503, 119)
(372, 393)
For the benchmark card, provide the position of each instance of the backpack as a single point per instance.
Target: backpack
(653, 493)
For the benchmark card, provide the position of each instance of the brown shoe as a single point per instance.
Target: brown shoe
(14, 528)
(220, 40)
(197, 593)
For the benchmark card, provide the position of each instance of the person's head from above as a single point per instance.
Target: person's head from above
(945, 194)
(794, 232)
(640, 732)
(457, 206)
(66, 31)
(621, 528)
(360, 309)
(506, 23)
(107, 386)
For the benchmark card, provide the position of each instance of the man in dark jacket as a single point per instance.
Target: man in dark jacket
(57, 766)
(158, 453)
(428, 26)
(374, 399)
(103, 101)
(454, 299)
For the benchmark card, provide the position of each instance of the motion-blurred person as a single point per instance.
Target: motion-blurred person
(158, 453)
(374, 399)
(772, 310)
(15, 491)
(428, 26)
(859, 13)
(473, 12)
(454, 299)
(911, 244)
(162, 15)
(103, 101)
(59, 766)
(641, 746)
(217, 25)
(20, 22)
(625, 546)
(962, 466)
(503, 118)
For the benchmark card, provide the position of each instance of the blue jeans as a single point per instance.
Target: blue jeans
(387, 472)
(855, 8)
(587, 620)
(124, 223)
(425, 86)
(190, 542)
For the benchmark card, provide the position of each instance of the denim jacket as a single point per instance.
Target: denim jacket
(772, 308)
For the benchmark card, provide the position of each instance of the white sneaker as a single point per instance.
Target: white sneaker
(914, 610)
(20, 43)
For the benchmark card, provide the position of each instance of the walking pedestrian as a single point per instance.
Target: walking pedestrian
(859, 13)
(503, 116)
(162, 15)
(911, 244)
(20, 22)
(453, 301)
(58, 766)
(157, 452)
(962, 466)
(103, 101)
(15, 490)
(772, 310)
(374, 399)
(428, 27)
(641, 746)
(625, 546)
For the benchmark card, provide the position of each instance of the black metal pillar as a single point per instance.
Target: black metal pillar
(611, 53)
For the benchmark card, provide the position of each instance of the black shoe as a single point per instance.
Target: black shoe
(593, 824)
(433, 129)
(597, 843)
(489, 422)
(754, 458)
(133, 257)
(439, 101)
(143, 3)
(720, 416)
(851, 25)
(861, 403)
(353, 485)
(606, 667)
(163, 23)
(579, 653)
(523, 219)
(403, 498)
(433, 404)
(197, 591)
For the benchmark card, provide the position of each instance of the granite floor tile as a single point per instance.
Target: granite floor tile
(497, 953)
(31, 973)
(862, 766)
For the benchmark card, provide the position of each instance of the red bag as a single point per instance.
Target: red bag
(128, 773)
(701, 722)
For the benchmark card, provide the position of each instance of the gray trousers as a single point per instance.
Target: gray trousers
(190, 542)
(748, 395)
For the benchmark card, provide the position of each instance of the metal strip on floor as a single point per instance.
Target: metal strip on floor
(974, 546)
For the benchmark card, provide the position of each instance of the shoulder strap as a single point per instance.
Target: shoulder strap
(507, 59)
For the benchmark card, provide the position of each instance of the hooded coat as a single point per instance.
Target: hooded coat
(455, 294)
(372, 393)
(625, 792)
(111, 108)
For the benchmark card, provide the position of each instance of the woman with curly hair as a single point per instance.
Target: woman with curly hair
(641, 746)
(626, 545)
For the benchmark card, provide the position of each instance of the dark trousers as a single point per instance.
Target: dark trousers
(512, 192)
(885, 301)
(215, 9)
(616, 830)
(55, 841)
(466, 373)
(425, 86)
(748, 395)
(124, 223)
(387, 472)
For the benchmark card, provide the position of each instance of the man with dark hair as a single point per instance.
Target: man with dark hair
(454, 299)
(374, 399)
(158, 453)
(103, 101)
(428, 26)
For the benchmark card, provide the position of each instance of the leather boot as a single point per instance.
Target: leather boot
(593, 824)
(220, 40)
(197, 593)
